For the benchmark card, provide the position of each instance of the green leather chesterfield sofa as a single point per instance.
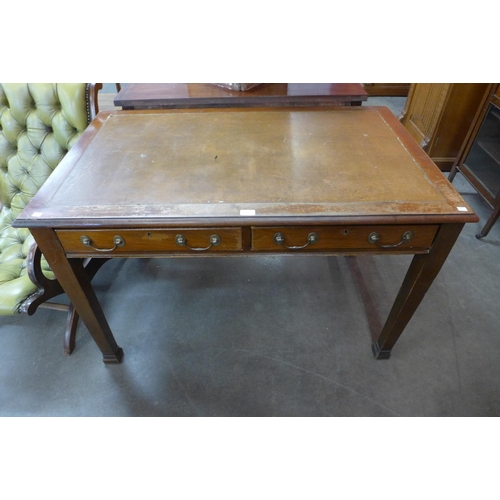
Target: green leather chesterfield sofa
(39, 123)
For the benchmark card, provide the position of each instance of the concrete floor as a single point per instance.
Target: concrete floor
(269, 336)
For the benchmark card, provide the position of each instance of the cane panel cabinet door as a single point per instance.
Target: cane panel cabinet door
(480, 160)
(439, 115)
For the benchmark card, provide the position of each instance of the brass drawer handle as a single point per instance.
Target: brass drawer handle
(312, 238)
(375, 239)
(117, 240)
(181, 240)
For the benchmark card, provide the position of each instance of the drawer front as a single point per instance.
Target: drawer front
(342, 238)
(150, 241)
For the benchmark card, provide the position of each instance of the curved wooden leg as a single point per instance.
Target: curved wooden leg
(70, 333)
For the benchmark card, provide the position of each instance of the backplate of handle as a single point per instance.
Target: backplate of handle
(181, 240)
(117, 240)
(374, 238)
(312, 238)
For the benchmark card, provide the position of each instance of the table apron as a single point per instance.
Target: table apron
(213, 241)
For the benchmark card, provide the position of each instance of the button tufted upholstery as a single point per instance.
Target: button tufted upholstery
(39, 123)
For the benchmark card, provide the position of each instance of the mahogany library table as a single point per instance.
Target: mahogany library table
(211, 182)
(208, 95)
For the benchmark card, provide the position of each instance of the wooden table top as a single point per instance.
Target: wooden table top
(329, 165)
(168, 95)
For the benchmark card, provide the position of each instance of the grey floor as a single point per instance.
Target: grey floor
(269, 336)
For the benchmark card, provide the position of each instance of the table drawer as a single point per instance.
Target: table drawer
(151, 241)
(333, 238)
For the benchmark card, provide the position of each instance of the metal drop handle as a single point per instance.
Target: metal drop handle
(117, 240)
(375, 239)
(181, 240)
(312, 238)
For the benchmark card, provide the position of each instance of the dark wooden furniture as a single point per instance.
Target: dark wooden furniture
(438, 116)
(387, 89)
(207, 95)
(479, 160)
(317, 181)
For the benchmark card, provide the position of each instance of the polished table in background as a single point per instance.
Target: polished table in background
(208, 95)
(317, 181)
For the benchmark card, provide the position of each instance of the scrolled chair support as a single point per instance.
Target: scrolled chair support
(49, 288)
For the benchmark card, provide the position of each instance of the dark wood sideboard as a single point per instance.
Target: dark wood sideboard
(209, 95)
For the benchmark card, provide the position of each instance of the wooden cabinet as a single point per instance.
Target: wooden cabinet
(387, 89)
(439, 116)
(479, 160)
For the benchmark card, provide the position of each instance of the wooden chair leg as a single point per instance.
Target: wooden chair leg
(70, 333)
(453, 172)
(491, 220)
